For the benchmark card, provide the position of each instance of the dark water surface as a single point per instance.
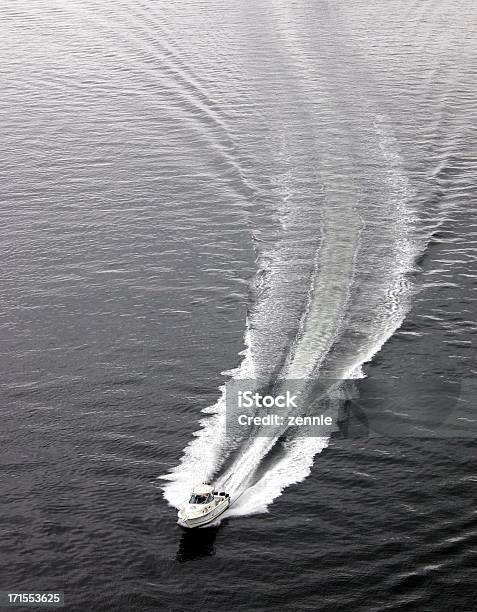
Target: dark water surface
(182, 182)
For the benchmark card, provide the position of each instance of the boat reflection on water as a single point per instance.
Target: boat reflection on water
(196, 543)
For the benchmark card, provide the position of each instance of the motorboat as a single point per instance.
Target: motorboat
(204, 506)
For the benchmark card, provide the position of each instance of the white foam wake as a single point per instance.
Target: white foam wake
(206, 454)
(293, 467)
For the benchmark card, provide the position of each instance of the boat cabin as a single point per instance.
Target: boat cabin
(202, 495)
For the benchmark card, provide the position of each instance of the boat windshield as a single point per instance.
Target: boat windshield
(200, 499)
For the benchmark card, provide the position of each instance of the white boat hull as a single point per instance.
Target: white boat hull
(190, 522)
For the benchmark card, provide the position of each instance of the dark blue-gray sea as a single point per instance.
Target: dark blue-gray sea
(199, 191)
